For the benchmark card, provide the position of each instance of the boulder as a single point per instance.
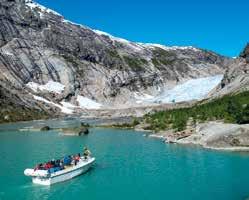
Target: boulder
(82, 124)
(6, 117)
(45, 128)
(83, 131)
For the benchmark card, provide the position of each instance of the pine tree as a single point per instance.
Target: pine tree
(244, 116)
(234, 110)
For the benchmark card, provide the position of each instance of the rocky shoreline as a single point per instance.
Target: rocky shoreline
(215, 135)
(210, 135)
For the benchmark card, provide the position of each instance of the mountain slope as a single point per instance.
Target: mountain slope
(236, 77)
(93, 69)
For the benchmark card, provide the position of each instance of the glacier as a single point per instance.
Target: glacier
(194, 89)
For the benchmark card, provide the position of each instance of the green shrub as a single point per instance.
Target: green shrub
(230, 108)
(243, 117)
(135, 63)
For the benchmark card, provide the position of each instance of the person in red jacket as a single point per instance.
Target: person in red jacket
(76, 158)
(48, 165)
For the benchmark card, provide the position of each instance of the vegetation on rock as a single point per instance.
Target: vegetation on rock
(230, 108)
(15, 113)
(162, 57)
(136, 63)
(126, 125)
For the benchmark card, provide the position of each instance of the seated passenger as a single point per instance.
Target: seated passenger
(38, 167)
(52, 162)
(61, 164)
(67, 160)
(48, 165)
(57, 163)
(76, 159)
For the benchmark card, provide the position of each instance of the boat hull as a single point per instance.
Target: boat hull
(66, 174)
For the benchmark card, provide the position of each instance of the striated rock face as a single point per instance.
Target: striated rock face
(38, 45)
(236, 77)
(245, 53)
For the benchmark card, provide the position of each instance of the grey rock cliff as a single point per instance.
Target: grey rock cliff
(245, 53)
(236, 76)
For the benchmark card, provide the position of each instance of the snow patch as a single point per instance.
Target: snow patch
(73, 23)
(132, 45)
(64, 109)
(6, 52)
(68, 105)
(194, 89)
(167, 48)
(111, 36)
(34, 5)
(50, 86)
(142, 97)
(103, 33)
(87, 103)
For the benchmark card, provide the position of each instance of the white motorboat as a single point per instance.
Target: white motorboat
(45, 177)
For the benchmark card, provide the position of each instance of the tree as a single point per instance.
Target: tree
(234, 109)
(243, 118)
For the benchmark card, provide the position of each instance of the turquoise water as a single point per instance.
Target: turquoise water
(129, 166)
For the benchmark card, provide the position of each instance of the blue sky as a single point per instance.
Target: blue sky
(218, 25)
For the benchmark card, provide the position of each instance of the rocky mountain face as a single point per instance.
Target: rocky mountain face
(50, 64)
(245, 53)
(236, 77)
(14, 108)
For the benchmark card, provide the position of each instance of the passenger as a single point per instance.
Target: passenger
(61, 164)
(86, 153)
(43, 166)
(57, 163)
(72, 159)
(52, 162)
(48, 165)
(38, 167)
(67, 160)
(76, 159)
